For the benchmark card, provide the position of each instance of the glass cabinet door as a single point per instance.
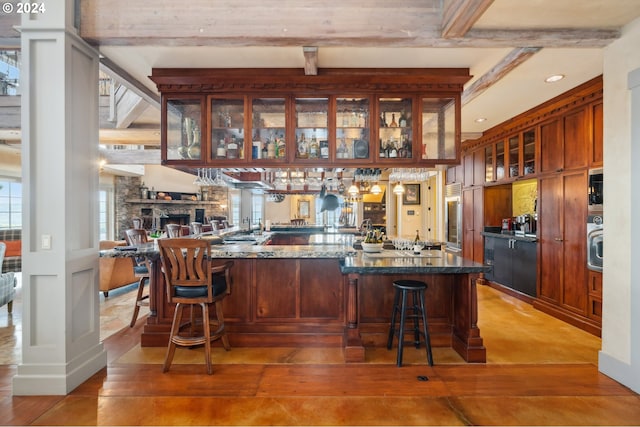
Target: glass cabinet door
(184, 129)
(488, 163)
(269, 129)
(395, 128)
(227, 128)
(438, 128)
(311, 121)
(529, 151)
(352, 128)
(514, 156)
(500, 159)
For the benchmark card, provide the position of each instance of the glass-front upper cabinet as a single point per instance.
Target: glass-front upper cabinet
(395, 129)
(488, 163)
(529, 152)
(227, 128)
(352, 128)
(311, 128)
(268, 124)
(438, 128)
(514, 156)
(500, 160)
(184, 128)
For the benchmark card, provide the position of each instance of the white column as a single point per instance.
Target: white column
(61, 345)
(620, 354)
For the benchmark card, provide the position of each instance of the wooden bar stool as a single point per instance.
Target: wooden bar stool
(192, 280)
(416, 312)
(137, 236)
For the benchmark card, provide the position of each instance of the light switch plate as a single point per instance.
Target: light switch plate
(45, 241)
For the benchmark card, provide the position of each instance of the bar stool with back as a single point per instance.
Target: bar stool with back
(416, 312)
(137, 236)
(192, 280)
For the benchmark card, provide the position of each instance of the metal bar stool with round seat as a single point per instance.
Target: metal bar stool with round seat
(137, 236)
(192, 281)
(416, 312)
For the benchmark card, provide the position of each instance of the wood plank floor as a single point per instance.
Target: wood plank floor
(549, 378)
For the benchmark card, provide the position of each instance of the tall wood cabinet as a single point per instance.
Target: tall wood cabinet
(556, 143)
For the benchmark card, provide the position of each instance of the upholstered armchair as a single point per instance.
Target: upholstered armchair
(7, 283)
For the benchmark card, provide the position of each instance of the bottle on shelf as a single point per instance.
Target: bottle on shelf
(221, 151)
(402, 121)
(271, 147)
(383, 120)
(314, 148)
(303, 147)
(324, 149)
(281, 148)
(264, 150)
(417, 238)
(232, 148)
(393, 123)
(341, 151)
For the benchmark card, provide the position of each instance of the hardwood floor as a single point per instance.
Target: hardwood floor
(542, 372)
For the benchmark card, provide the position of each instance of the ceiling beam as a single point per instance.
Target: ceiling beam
(310, 60)
(130, 136)
(357, 23)
(131, 157)
(458, 16)
(127, 80)
(501, 69)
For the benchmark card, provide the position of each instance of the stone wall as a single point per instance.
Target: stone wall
(128, 204)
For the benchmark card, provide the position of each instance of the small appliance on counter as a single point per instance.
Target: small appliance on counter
(507, 225)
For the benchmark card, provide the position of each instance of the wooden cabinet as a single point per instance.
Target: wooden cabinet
(473, 168)
(595, 296)
(472, 224)
(454, 174)
(562, 284)
(514, 263)
(566, 142)
(597, 135)
(237, 117)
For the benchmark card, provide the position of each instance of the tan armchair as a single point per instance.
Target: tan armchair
(115, 272)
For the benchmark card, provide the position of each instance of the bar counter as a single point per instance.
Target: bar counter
(327, 295)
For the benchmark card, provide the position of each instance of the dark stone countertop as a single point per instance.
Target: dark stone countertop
(405, 262)
(522, 238)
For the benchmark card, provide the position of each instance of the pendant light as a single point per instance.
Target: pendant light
(375, 189)
(353, 190)
(398, 189)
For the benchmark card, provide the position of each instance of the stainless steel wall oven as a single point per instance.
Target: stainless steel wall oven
(453, 217)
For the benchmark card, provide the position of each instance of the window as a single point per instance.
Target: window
(331, 218)
(257, 207)
(234, 207)
(105, 214)
(10, 204)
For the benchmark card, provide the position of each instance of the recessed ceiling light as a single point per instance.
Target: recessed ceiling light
(481, 119)
(554, 78)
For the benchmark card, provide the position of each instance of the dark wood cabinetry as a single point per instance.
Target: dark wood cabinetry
(555, 143)
(354, 117)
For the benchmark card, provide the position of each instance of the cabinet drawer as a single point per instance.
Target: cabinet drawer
(595, 308)
(595, 284)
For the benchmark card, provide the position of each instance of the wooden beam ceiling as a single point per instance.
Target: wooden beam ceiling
(459, 16)
(357, 23)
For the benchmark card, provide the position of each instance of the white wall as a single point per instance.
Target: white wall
(620, 356)
(168, 179)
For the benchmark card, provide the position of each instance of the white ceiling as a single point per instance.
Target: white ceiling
(518, 91)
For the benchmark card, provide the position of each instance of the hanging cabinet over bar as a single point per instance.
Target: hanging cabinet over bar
(339, 117)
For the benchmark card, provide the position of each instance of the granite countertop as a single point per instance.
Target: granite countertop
(394, 262)
(243, 250)
(523, 238)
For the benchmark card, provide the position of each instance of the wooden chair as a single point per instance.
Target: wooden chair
(173, 230)
(192, 280)
(137, 222)
(137, 236)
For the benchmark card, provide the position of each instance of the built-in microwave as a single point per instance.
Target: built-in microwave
(595, 194)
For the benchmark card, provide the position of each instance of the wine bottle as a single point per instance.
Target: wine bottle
(281, 151)
(303, 147)
(324, 149)
(232, 148)
(402, 121)
(417, 239)
(314, 148)
(221, 152)
(393, 123)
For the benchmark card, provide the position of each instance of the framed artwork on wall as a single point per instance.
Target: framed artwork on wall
(411, 194)
(304, 209)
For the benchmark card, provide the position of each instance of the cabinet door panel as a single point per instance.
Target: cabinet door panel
(574, 246)
(551, 159)
(524, 267)
(321, 289)
(550, 232)
(598, 135)
(467, 224)
(276, 297)
(576, 139)
(502, 253)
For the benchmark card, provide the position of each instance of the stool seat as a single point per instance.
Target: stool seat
(416, 311)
